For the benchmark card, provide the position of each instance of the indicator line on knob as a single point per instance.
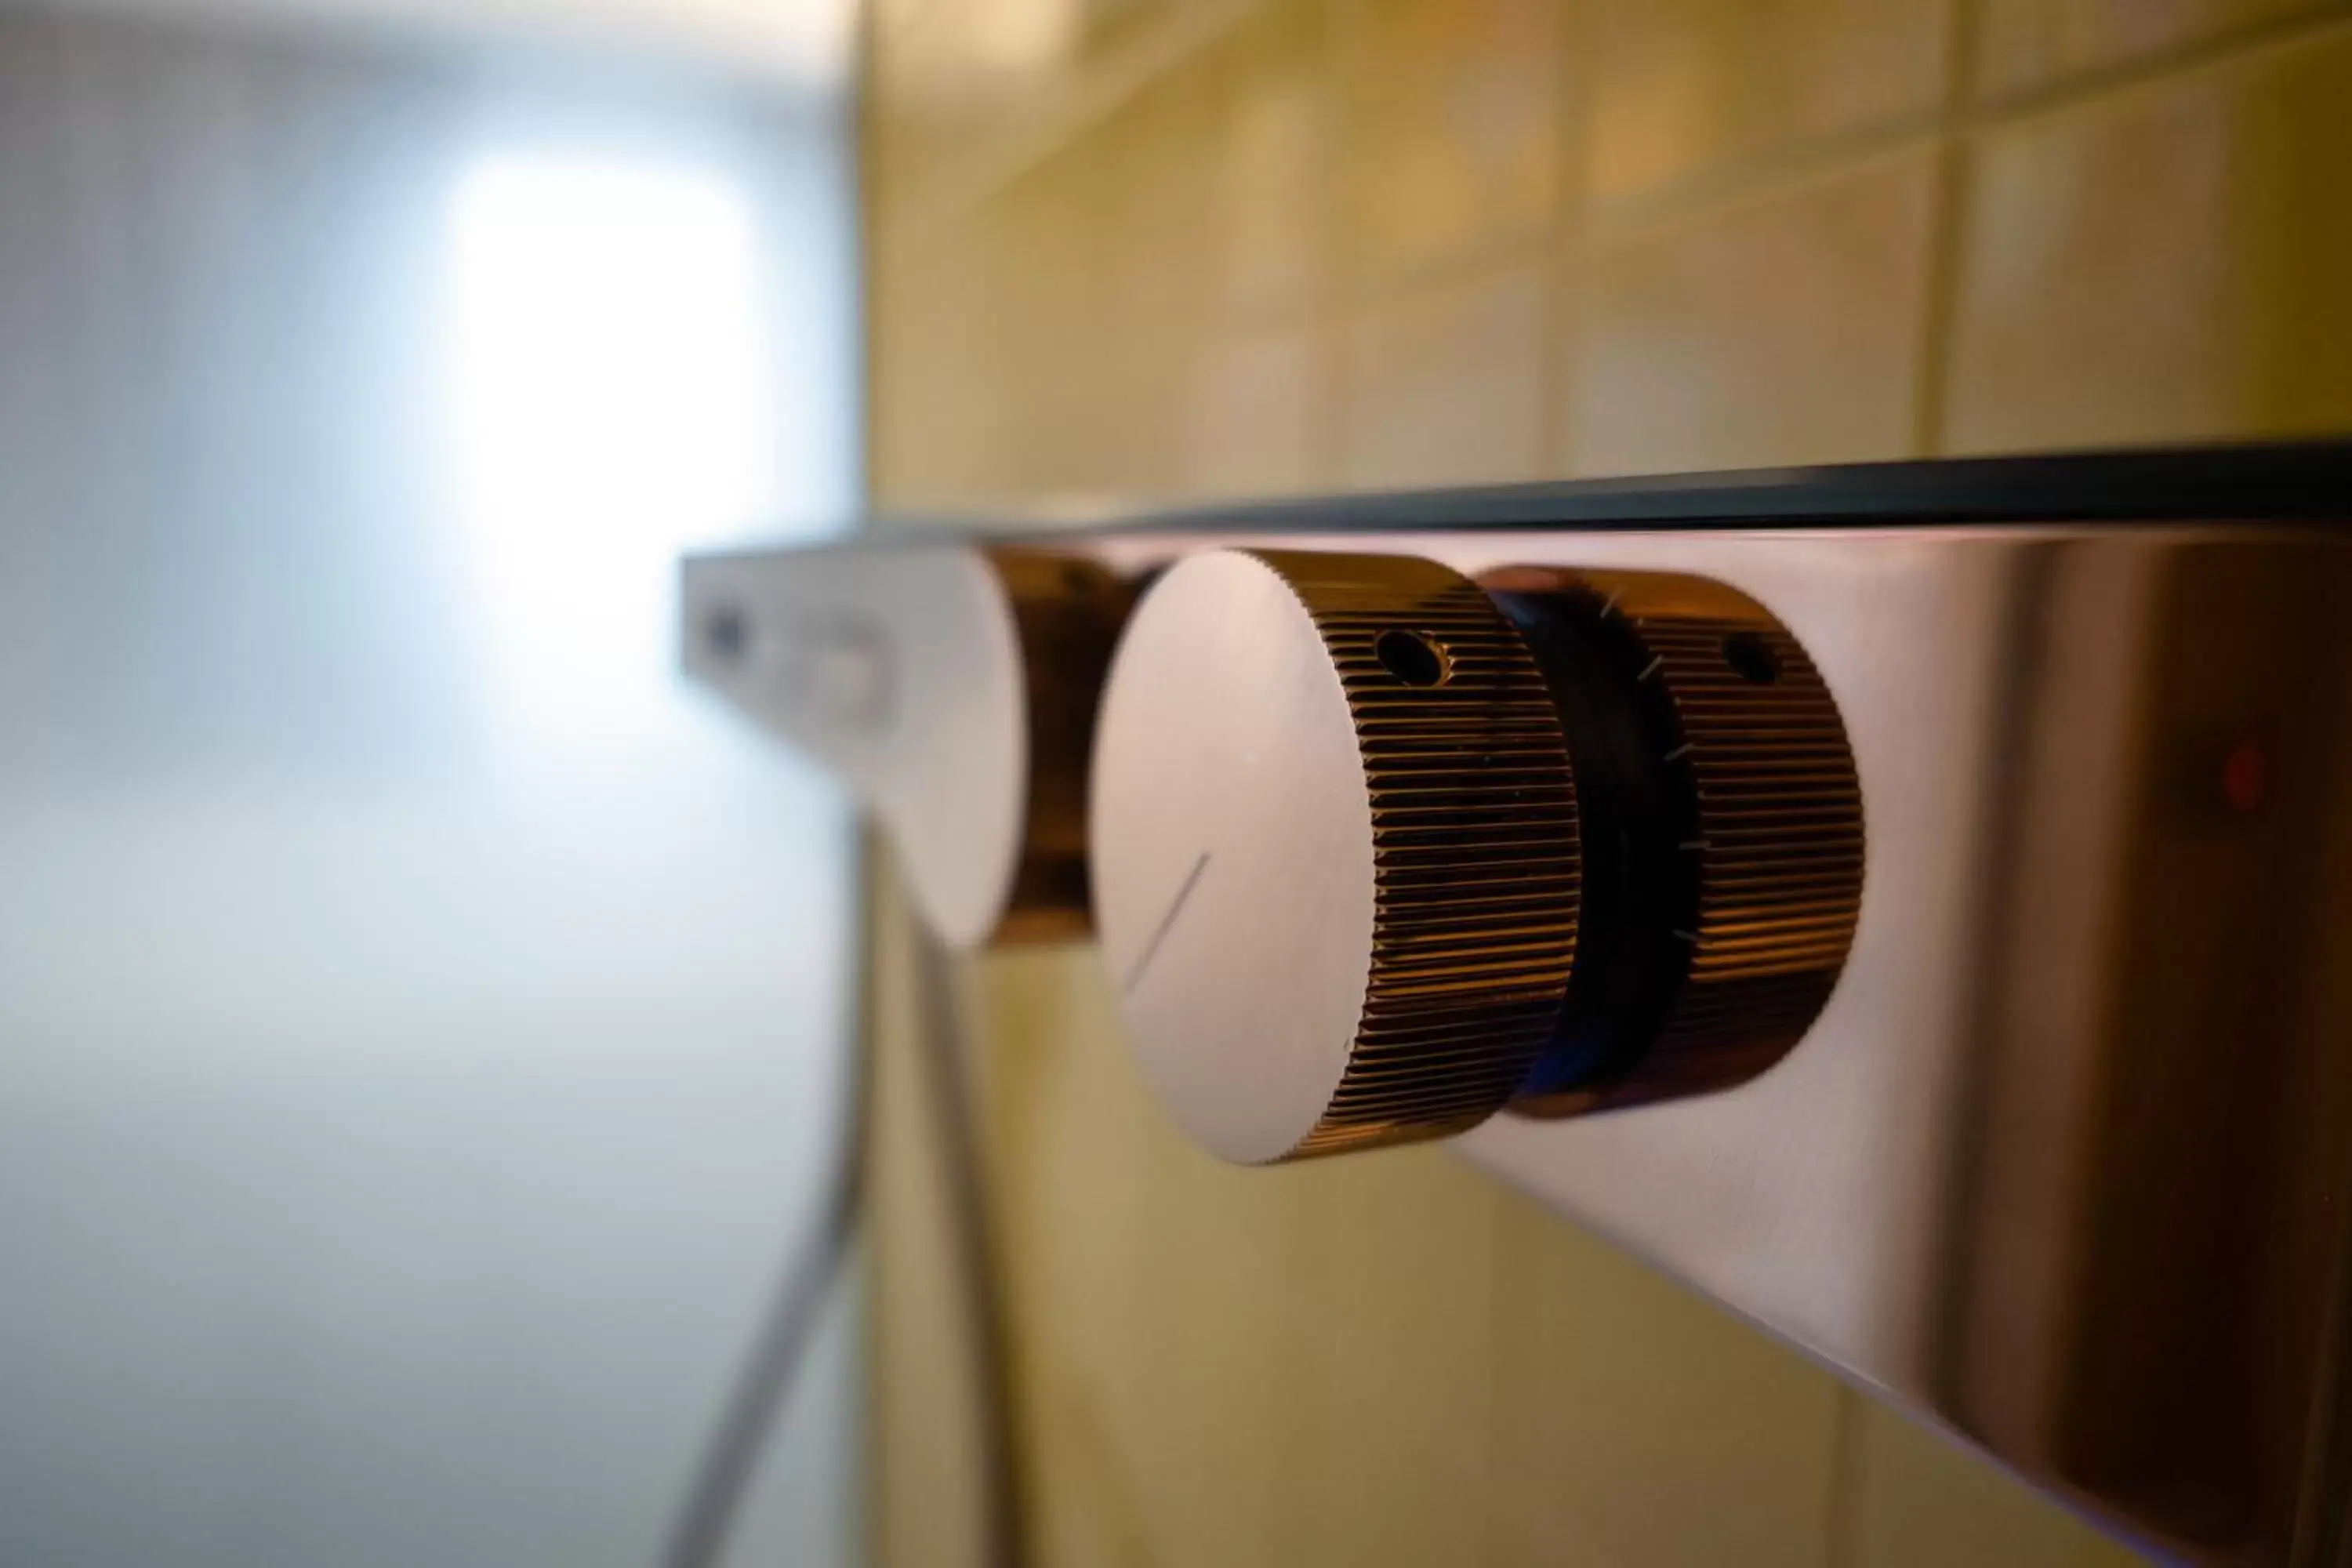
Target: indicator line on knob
(1176, 907)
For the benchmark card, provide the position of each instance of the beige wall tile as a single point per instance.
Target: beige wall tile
(1153, 175)
(1382, 1359)
(1454, 125)
(1257, 274)
(1446, 385)
(942, 435)
(1116, 323)
(961, 95)
(1046, 313)
(1275, 162)
(1914, 1498)
(1640, 1424)
(2166, 265)
(1679, 86)
(925, 1405)
(1258, 420)
(1787, 331)
(2024, 46)
(1414, 1235)
(1221, 1365)
(1092, 303)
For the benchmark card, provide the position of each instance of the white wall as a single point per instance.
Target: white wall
(422, 1021)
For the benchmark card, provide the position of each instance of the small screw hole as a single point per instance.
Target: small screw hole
(726, 634)
(1752, 657)
(1411, 657)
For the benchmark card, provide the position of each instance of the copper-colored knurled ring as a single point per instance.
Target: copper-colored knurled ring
(1780, 835)
(1475, 845)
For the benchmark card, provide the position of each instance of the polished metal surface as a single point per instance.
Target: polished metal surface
(901, 671)
(2065, 1161)
(1337, 892)
(1809, 1199)
(1379, 850)
(1723, 827)
(954, 687)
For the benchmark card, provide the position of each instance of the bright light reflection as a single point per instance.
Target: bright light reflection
(612, 404)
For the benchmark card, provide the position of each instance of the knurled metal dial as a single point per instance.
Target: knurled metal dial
(1756, 877)
(1335, 850)
(1778, 849)
(1378, 849)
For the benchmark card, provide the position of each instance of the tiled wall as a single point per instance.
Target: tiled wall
(1240, 248)
(1170, 250)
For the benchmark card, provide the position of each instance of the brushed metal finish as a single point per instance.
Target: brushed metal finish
(1340, 906)
(1475, 846)
(2064, 1162)
(1773, 846)
(1812, 1199)
(2088, 1215)
(1809, 1199)
(1781, 841)
(953, 686)
(1230, 781)
(1067, 612)
(901, 671)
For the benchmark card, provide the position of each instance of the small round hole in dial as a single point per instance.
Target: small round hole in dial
(1414, 657)
(1751, 658)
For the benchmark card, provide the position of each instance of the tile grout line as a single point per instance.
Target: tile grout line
(1573, 234)
(1562, 317)
(1947, 234)
(1332, 313)
(2216, 51)
(1940, 303)
(1079, 108)
(1733, 182)
(1746, 182)
(1769, 174)
(1837, 1544)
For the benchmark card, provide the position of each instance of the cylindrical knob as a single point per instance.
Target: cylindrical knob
(1378, 850)
(1335, 850)
(954, 686)
(1722, 896)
